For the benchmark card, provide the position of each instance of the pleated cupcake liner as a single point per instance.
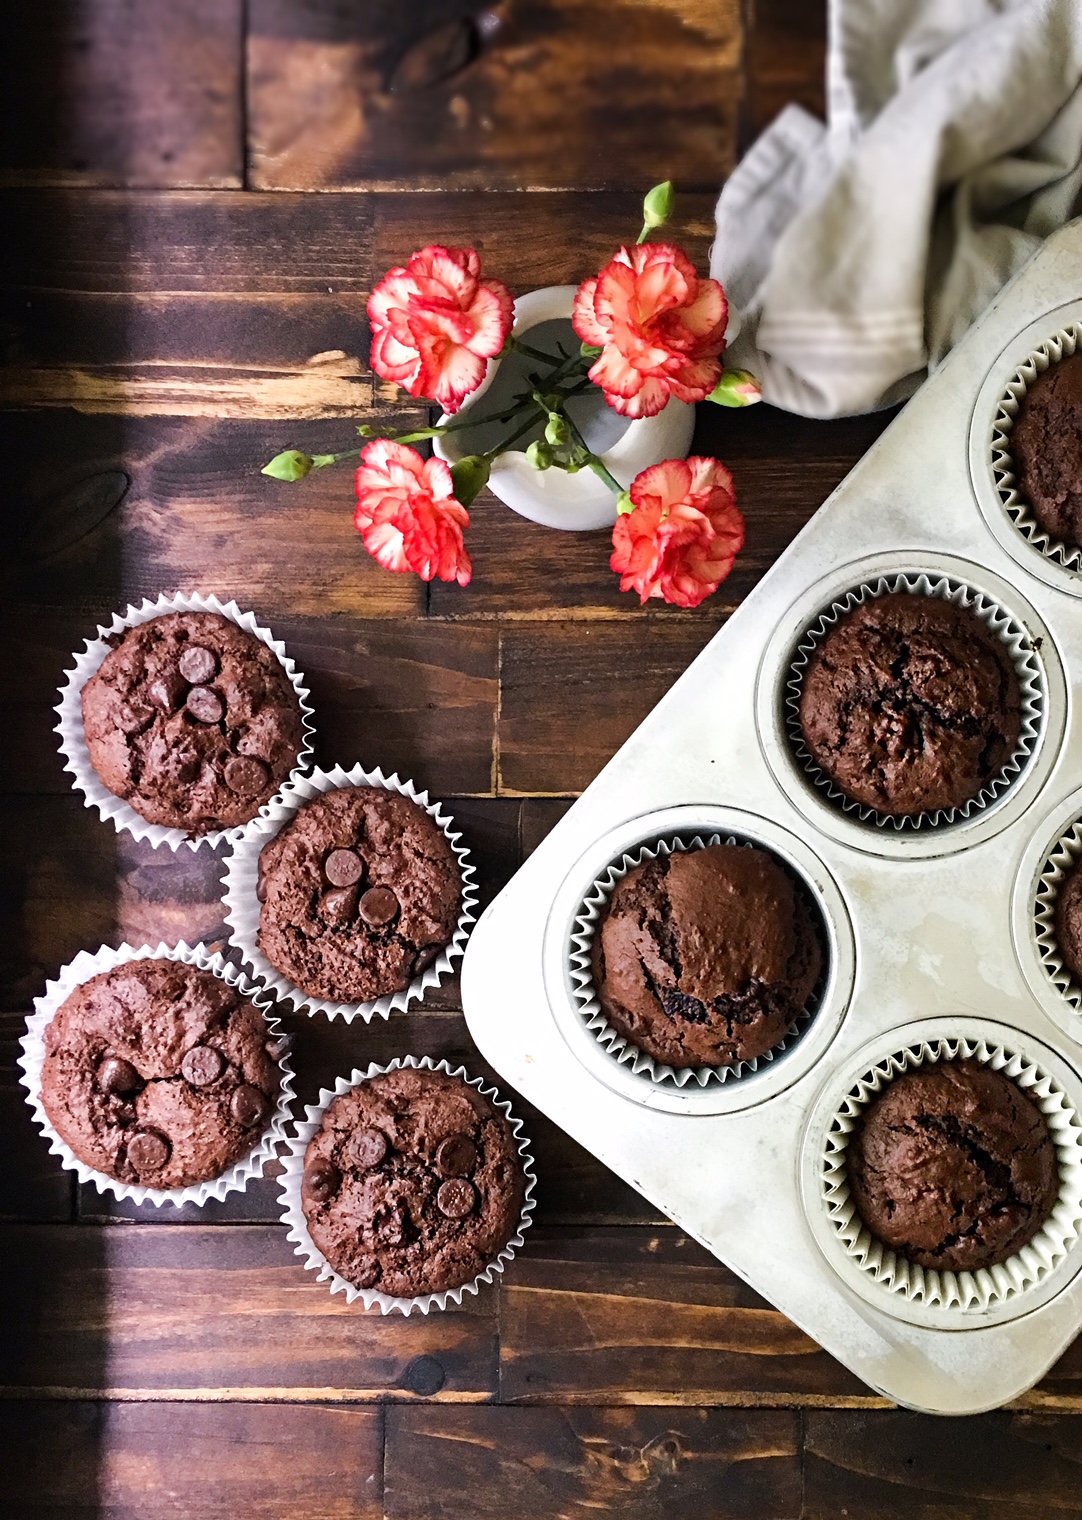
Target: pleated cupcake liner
(1005, 627)
(1061, 344)
(243, 907)
(236, 1178)
(1062, 859)
(617, 1045)
(76, 753)
(927, 1286)
(293, 1176)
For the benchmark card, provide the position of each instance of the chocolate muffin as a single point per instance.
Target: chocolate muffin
(705, 957)
(910, 704)
(412, 1183)
(360, 892)
(193, 721)
(953, 1167)
(1069, 922)
(159, 1074)
(1046, 446)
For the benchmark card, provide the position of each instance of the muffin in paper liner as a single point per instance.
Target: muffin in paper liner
(1001, 623)
(293, 1173)
(80, 970)
(1061, 344)
(589, 1005)
(988, 1285)
(1063, 857)
(242, 905)
(73, 745)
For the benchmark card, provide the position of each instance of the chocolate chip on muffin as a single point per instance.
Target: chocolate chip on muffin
(412, 1183)
(706, 957)
(910, 704)
(158, 1073)
(953, 1167)
(360, 890)
(193, 721)
(1046, 446)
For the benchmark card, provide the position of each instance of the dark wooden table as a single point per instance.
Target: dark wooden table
(179, 306)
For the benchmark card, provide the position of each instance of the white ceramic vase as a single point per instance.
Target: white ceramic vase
(553, 497)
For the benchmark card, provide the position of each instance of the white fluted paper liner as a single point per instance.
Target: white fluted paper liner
(73, 745)
(1064, 856)
(988, 1285)
(80, 970)
(242, 905)
(1061, 344)
(1006, 628)
(293, 1175)
(589, 1005)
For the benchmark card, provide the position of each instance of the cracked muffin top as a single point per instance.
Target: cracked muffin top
(910, 705)
(953, 1167)
(705, 957)
(1046, 446)
(360, 892)
(193, 721)
(412, 1183)
(1069, 921)
(159, 1074)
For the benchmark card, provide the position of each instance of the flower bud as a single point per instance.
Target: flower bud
(470, 475)
(658, 204)
(539, 454)
(291, 464)
(557, 431)
(737, 387)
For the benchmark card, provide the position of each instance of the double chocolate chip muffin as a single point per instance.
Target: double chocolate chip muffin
(910, 704)
(412, 1183)
(706, 957)
(1046, 446)
(1069, 921)
(360, 891)
(193, 721)
(953, 1167)
(159, 1074)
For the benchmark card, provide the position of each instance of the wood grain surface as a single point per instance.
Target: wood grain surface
(177, 306)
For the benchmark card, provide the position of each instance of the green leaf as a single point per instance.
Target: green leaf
(470, 476)
(737, 387)
(291, 464)
(624, 503)
(590, 350)
(658, 204)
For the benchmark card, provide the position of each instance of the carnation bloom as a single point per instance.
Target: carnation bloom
(661, 329)
(408, 515)
(683, 535)
(436, 323)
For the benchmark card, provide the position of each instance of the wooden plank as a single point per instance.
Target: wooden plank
(571, 94)
(898, 1465)
(33, 1184)
(215, 1313)
(572, 692)
(111, 92)
(640, 1316)
(786, 60)
(535, 1464)
(83, 1461)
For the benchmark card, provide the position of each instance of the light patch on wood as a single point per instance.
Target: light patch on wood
(335, 388)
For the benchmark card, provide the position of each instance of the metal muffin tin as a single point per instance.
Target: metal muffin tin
(931, 930)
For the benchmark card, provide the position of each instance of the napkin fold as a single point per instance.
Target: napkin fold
(859, 252)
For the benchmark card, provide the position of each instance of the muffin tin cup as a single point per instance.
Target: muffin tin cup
(946, 1295)
(1062, 859)
(618, 1046)
(293, 1211)
(73, 745)
(1061, 344)
(80, 970)
(1005, 627)
(242, 905)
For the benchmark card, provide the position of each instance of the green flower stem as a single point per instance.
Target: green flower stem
(524, 348)
(531, 421)
(594, 462)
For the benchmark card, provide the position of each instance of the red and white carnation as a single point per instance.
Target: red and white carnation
(685, 531)
(407, 513)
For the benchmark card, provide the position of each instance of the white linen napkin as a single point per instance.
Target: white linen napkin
(859, 252)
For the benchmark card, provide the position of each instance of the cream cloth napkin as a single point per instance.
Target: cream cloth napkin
(859, 252)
